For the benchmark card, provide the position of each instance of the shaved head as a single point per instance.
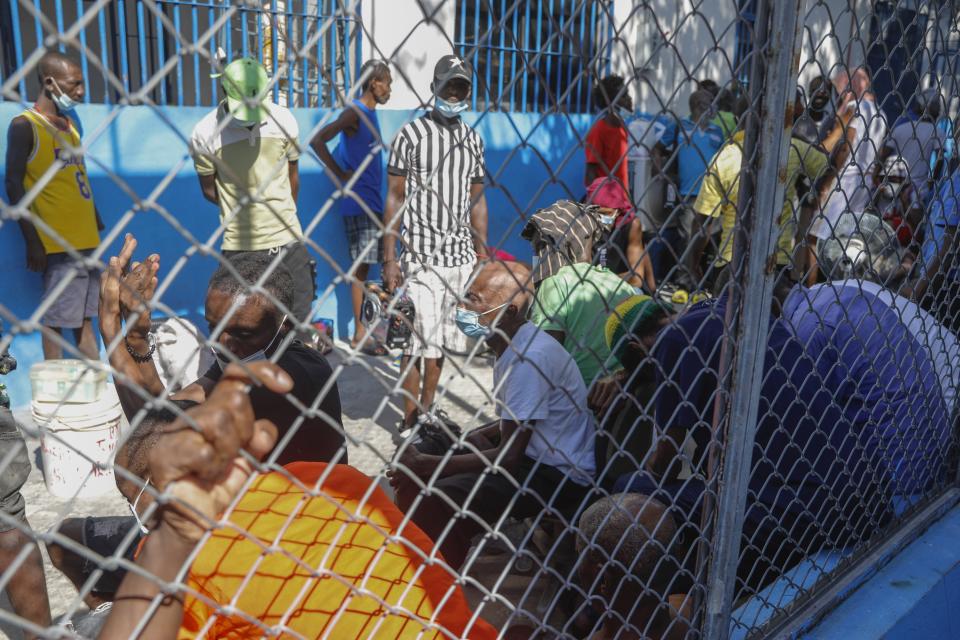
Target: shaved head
(55, 64)
(629, 530)
(503, 282)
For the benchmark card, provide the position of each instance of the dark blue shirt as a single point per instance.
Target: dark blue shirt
(351, 152)
(801, 465)
(883, 379)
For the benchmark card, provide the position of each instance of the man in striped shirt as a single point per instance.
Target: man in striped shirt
(435, 204)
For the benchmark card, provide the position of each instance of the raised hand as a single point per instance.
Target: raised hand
(137, 286)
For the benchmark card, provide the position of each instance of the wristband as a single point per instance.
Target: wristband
(138, 358)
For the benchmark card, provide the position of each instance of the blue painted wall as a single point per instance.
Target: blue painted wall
(916, 596)
(144, 183)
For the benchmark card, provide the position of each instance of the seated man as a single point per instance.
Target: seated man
(622, 546)
(256, 329)
(808, 487)
(573, 301)
(246, 327)
(542, 447)
(621, 250)
(314, 551)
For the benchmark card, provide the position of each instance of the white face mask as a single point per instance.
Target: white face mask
(451, 109)
(133, 508)
(891, 190)
(256, 356)
(63, 101)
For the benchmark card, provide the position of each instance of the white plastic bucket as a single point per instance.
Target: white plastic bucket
(72, 438)
(66, 381)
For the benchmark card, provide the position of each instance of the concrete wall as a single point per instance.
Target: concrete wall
(412, 36)
(531, 162)
(669, 43)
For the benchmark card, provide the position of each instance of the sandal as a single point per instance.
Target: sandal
(372, 349)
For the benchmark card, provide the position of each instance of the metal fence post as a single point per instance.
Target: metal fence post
(771, 89)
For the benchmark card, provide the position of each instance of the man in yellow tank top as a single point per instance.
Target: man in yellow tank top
(44, 147)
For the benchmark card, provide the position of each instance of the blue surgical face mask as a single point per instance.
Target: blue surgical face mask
(256, 356)
(63, 101)
(625, 114)
(469, 322)
(450, 109)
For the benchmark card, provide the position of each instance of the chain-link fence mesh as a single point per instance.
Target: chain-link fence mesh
(598, 319)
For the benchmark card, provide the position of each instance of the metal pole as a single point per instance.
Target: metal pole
(772, 88)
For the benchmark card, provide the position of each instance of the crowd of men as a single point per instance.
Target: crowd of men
(605, 392)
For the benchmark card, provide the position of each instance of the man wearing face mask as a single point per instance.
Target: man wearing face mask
(436, 208)
(44, 140)
(543, 441)
(247, 157)
(245, 327)
(814, 123)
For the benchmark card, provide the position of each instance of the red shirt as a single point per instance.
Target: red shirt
(606, 146)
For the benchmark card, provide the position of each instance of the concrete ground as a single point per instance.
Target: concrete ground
(370, 412)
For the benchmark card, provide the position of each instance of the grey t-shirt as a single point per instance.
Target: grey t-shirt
(916, 142)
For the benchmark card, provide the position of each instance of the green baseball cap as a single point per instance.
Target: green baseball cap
(244, 81)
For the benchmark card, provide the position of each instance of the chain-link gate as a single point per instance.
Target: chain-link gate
(555, 319)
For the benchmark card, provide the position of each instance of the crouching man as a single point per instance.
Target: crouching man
(538, 457)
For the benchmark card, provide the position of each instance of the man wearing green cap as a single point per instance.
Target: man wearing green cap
(246, 154)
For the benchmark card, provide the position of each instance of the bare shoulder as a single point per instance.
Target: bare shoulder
(20, 126)
(19, 139)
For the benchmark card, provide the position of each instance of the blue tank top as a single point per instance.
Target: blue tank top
(352, 151)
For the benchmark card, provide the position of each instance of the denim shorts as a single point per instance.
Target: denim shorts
(15, 463)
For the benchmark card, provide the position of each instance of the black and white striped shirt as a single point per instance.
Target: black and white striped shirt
(440, 162)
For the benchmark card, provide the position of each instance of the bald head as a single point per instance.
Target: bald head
(62, 82)
(56, 65)
(497, 283)
(626, 534)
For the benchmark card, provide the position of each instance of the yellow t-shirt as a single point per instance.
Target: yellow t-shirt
(339, 561)
(251, 165)
(721, 187)
(66, 202)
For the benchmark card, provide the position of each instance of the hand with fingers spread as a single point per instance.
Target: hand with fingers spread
(126, 293)
(137, 287)
(197, 463)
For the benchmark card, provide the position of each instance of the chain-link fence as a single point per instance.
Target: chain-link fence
(587, 319)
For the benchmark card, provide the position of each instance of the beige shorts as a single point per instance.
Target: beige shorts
(436, 292)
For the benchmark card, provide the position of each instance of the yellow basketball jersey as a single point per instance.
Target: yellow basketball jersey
(66, 201)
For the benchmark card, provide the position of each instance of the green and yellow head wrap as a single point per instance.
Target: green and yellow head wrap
(627, 316)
